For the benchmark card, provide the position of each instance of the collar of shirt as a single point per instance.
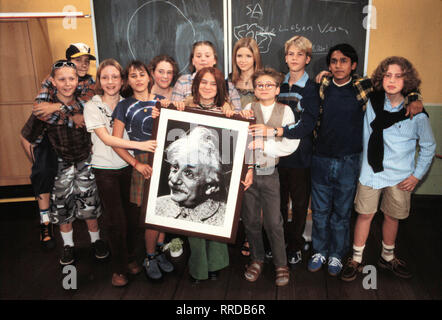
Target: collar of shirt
(300, 83)
(389, 108)
(343, 84)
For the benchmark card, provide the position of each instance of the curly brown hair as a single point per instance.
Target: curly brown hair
(411, 77)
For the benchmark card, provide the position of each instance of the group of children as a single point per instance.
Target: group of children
(309, 140)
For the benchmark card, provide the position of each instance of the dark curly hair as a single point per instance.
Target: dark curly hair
(411, 77)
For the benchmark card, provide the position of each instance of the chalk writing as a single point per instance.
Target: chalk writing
(255, 12)
(328, 28)
(262, 36)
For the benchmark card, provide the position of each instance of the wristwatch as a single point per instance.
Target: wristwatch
(275, 132)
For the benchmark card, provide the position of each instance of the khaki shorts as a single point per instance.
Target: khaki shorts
(395, 202)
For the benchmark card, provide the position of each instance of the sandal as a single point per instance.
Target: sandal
(282, 276)
(245, 249)
(253, 271)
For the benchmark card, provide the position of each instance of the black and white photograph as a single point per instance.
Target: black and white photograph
(197, 169)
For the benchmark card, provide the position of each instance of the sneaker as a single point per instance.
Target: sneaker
(334, 266)
(350, 270)
(163, 263)
(396, 266)
(100, 249)
(269, 254)
(47, 236)
(151, 269)
(295, 258)
(67, 256)
(315, 263)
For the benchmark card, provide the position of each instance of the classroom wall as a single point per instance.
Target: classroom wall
(59, 36)
(411, 29)
(403, 27)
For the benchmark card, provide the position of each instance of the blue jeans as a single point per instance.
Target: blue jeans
(333, 189)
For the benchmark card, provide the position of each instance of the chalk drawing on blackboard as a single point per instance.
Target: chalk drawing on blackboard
(188, 26)
(255, 12)
(262, 37)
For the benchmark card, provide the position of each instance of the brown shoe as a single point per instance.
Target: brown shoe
(397, 266)
(351, 270)
(282, 276)
(119, 280)
(134, 268)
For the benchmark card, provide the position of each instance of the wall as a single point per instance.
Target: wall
(411, 29)
(59, 37)
(403, 27)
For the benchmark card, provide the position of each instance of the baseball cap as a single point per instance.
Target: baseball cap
(78, 49)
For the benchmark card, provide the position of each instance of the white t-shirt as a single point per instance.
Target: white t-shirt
(273, 147)
(97, 114)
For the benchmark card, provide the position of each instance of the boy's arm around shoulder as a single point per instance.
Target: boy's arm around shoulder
(310, 103)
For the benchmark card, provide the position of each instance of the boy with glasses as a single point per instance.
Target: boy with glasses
(263, 194)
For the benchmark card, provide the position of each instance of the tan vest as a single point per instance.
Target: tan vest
(275, 121)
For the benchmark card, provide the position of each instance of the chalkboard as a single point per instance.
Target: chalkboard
(324, 22)
(134, 29)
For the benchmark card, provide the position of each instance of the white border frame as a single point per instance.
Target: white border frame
(224, 231)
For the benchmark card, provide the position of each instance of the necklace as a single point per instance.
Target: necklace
(207, 106)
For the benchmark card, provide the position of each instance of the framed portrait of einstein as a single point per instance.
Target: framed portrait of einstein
(199, 163)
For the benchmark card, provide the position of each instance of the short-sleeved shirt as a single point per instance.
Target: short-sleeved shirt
(97, 114)
(137, 118)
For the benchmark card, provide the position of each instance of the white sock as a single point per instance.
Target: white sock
(387, 252)
(94, 236)
(357, 253)
(67, 238)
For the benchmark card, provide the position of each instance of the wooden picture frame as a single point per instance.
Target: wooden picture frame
(215, 218)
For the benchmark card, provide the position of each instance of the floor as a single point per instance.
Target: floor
(27, 272)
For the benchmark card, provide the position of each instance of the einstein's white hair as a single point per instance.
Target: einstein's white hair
(201, 146)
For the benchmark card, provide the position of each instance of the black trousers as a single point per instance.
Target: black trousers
(296, 184)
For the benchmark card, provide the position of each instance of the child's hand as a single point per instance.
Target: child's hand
(414, 108)
(78, 120)
(165, 103)
(179, 105)
(322, 74)
(408, 184)
(229, 113)
(144, 169)
(246, 114)
(260, 130)
(248, 181)
(155, 112)
(45, 109)
(148, 145)
(256, 144)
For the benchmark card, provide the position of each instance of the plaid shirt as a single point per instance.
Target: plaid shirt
(363, 89)
(85, 90)
(70, 144)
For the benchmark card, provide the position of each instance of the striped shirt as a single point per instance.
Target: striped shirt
(183, 88)
(399, 149)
